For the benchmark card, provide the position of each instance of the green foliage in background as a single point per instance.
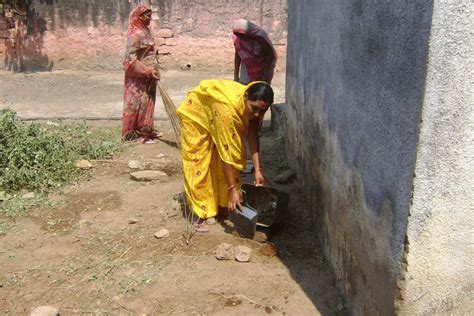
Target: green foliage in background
(40, 158)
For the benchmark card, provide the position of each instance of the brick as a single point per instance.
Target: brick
(4, 34)
(171, 41)
(163, 50)
(165, 33)
(160, 41)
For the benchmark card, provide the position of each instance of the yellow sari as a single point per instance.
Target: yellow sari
(213, 125)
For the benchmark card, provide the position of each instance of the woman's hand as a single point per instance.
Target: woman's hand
(155, 74)
(234, 200)
(259, 178)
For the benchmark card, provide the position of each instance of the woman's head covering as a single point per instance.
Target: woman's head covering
(255, 50)
(136, 24)
(241, 26)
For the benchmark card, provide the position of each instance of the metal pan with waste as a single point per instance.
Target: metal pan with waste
(263, 206)
(270, 204)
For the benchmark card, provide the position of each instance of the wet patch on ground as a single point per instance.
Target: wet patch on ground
(66, 214)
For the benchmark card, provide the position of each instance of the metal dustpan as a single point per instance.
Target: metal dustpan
(245, 221)
(270, 204)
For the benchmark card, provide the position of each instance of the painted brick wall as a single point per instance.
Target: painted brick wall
(91, 34)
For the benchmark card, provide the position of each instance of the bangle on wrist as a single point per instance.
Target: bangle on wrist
(231, 187)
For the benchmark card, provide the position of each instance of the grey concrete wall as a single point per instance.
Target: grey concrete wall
(355, 82)
(439, 276)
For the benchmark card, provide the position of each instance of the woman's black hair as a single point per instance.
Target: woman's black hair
(260, 91)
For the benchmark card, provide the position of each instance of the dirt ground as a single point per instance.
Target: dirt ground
(83, 256)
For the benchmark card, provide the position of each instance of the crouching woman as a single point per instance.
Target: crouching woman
(215, 118)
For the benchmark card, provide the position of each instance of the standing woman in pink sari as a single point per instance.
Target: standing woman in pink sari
(141, 75)
(255, 56)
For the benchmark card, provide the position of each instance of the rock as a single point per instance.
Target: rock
(45, 311)
(136, 164)
(132, 220)
(83, 164)
(157, 164)
(260, 236)
(224, 252)
(242, 253)
(268, 250)
(28, 196)
(162, 164)
(163, 233)
(285, 177)
(148, 175)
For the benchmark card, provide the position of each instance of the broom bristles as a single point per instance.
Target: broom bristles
(170, 109)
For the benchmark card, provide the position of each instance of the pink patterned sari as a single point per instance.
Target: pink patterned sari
(140, 87)
(255, 49)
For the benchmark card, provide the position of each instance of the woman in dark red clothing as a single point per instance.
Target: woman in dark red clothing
(141, 75)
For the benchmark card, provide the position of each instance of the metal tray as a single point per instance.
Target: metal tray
(270, 204)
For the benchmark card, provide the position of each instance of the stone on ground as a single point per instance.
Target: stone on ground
(83, 164)
(148, 175)
(136, 164)
(163, 164)
(132, 220)
(45, 311)
(268, 250)
(224, 252)
(28, 196)
(242, 253)
(260, 236)
(162, 233)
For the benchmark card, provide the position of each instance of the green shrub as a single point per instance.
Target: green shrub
(40, 157)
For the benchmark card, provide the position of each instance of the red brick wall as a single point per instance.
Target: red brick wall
(90, 34)
(3, 33)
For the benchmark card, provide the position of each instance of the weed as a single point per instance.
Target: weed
(40, 158)
(145, 279)
(5, 227)
(188, 231)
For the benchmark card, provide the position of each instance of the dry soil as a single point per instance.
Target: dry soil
(83, 256)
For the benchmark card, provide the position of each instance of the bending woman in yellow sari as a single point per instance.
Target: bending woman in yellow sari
(215, 117)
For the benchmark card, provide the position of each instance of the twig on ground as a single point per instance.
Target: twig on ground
(255, 303)
(113, 264)
(188, 232)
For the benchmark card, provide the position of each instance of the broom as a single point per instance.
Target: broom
(170, 109)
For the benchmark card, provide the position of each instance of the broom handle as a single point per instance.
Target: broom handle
(170, 108)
